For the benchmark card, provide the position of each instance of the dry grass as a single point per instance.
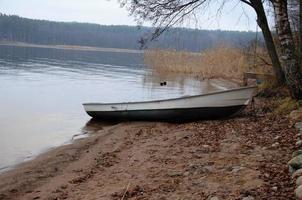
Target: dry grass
(286, 105)
(220, 62)
(258, 62)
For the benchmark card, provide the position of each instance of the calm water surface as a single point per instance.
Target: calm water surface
(42, 91)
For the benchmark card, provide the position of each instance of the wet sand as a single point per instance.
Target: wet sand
(228, 159)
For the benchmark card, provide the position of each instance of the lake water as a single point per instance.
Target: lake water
(42, 91)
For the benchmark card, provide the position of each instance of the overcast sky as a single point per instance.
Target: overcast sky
(234, 17)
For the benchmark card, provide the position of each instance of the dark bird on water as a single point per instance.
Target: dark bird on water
(163, 83)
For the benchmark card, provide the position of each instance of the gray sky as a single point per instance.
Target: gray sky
(234, 17)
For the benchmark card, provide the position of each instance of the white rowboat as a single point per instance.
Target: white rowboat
(213, 105)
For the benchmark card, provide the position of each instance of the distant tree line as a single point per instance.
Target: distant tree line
(15, 28)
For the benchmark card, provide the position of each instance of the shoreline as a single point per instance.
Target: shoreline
(217, 83)
(43, 152)
(228, 159)
(70, 47)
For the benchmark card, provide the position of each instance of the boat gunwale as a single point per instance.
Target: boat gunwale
(178, 98)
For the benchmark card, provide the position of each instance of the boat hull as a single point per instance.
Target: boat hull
(169, 114)
(213, 105)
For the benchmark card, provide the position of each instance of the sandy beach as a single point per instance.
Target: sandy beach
(227, 159)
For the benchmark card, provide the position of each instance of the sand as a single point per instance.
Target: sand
(228, 159)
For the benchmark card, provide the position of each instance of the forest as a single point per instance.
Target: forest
(15, 28)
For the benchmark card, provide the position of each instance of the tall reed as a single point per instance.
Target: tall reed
(220, 62)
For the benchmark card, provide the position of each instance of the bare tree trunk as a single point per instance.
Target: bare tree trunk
(300, 28)
(271, 48)
(290, 60)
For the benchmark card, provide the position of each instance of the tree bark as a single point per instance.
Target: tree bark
(289, 58)
(270, 45)
(300, 29)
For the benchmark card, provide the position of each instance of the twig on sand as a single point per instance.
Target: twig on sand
(125, 191)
